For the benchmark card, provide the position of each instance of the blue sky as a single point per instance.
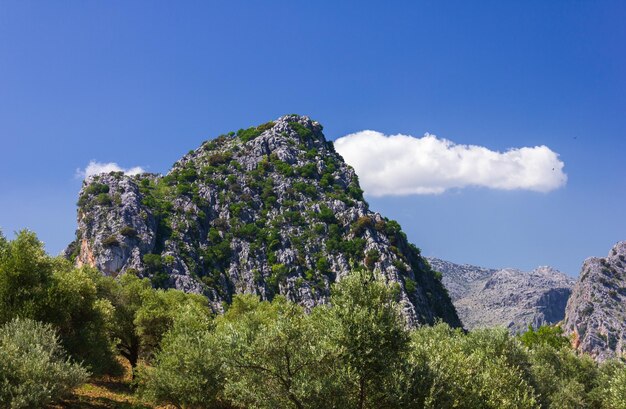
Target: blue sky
(141, 83)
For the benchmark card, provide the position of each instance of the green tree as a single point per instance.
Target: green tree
(484, 369)
(34, 370)
(187, 370)
(370, 332)
(545, 335)
(127, 296)
(610, 391)
(563, 379)
(275, 355)
(142, 314)
(83, 319)
(25, 276)
(37, 286)
(157, 312)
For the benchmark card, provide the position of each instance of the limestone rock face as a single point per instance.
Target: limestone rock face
(268, 210)
(596, 311)
(509, 297)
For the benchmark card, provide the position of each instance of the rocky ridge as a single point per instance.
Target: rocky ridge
(596, 312)
(267, 210)
(509, 297)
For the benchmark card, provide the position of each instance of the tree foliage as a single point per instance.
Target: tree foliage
(34, 370)
(357, 352)
(545, 335)
(36, 286)
(187, 370)
(354, 352)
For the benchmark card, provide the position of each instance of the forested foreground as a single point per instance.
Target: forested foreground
(62, 326)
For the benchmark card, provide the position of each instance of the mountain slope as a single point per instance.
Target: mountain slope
(596, 311)
(508, 297)
(269, 210)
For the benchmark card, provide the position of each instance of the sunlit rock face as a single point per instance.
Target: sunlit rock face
(268, 210)
(596, 311)
(508, 298)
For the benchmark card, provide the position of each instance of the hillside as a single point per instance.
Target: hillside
(509, 297)
(268, 210)
(596, 312)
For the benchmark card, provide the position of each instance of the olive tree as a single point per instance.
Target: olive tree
(34, 370)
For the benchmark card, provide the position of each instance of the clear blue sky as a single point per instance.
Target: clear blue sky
(141, 83)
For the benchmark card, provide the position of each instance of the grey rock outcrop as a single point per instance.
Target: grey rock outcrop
(268, 210)
(509, 297)
(596, 311)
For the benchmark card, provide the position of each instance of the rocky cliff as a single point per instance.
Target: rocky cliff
(268, 210)
(511, 298)
(596, 311)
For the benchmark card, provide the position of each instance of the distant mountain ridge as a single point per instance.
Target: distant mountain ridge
(508, 297)
(596, 311)
(268, 210)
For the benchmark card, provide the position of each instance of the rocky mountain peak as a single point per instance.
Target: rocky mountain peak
(268, 210)
(507, 297)
(596, 312)
(285, 138)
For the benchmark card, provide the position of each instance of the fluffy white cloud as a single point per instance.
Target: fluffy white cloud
(404, 165)
(94, 168)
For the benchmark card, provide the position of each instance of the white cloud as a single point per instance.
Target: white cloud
(404, 165)
(94, 168)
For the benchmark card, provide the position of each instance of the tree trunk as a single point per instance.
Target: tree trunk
(361, 393)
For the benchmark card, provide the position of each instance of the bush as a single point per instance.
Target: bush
(327, 180)
(410, 285)
(219, 159)
(303, 132)
(34, 371)
(264, 127)
(128, 231)
(283, 167)
(155, 268)
(307, 171)
(103, 199)
(353, 249)
(355, 192)
(96, 189)
(371, 258)
(279, 272)
(110, 241)
(363, 223)
(322, 265)
(248, 134)
(183, 189)
(326, 215)
(306, 189)
(153, 262)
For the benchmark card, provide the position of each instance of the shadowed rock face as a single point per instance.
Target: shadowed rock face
(269, 210)
(511, 298)
(596, 311)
